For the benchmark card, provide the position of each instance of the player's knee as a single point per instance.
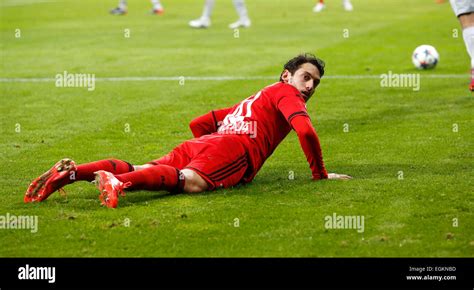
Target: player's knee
(194, 183)
(467, 20)
(194, 187)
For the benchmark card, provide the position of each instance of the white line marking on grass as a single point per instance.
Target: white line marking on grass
(12, 3)
(219, 78)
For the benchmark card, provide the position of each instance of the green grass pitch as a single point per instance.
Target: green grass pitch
(410, 152)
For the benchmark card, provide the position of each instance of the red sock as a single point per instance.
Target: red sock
(158, 177)
(321, 1)
(115, 166)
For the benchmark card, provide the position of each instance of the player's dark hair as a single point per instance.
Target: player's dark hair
(294, 64)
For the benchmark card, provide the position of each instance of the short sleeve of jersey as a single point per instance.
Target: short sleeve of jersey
(291, 105)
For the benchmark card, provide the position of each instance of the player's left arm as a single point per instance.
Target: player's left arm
(310, 144)
(293, 108)
(208, 123)
(312, 148)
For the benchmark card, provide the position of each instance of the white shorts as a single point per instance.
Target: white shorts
(462, 6)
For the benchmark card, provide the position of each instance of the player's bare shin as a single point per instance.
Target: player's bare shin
(466, 20)
(339, 176)
(141, 167)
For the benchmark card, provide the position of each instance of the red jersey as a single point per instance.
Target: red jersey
(262, 121)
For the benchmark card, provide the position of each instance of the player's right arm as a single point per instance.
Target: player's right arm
(208, 123)
(312, 148)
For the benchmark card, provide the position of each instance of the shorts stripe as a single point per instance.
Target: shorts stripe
(228, 166)
(242, 165)
(229, 171)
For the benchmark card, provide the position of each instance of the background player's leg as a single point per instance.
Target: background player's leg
(347, 5)
(244, 20)
(157, 7)
(467, 23)
(121, 8)
(122, 4)
(208, 7)
(319, 6)
(205, 20)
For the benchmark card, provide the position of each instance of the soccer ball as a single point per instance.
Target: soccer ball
(425, 57)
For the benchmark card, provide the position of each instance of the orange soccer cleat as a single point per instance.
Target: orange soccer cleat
(52, 180)
(158, 11)
(110, 188)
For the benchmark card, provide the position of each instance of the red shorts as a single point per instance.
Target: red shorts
(220, 159)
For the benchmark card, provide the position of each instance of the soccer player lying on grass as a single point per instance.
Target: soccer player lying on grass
(230, 145)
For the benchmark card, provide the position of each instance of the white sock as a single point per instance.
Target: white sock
(345, 1)
(122, 4)
(208, 6)
(156, 4)
(468, 34)
(241, 9)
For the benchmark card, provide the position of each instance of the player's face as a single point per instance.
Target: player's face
(305, 79)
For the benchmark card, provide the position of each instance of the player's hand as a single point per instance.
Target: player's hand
(339, 176)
